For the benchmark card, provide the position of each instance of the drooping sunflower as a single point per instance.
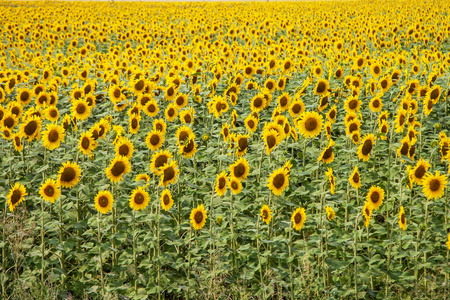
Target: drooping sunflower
(330, 213)
(16, 195)
(298, 218)
(367, 213)
(50, 190)
(433, 185)
(310, 124)
(158, 160)
(278, 181)
(118, 167)
(355, 178)
(154, 140)
(124, 147)
(402, 218)
(168, 173)
(103, 202)
(139, 199)
(266, 214)
(419, 171)
(375, 197)
(87, 143)
(322, 87)
(235, 185)
(434, 93)
(166, 200)
(400, 119)
(31, 127)
(221, 183)
(366, 146)
(331, 179)
(225, 132)
(327, 155)
(52, 136)
(69, 174)
(240, 169)
(198, 217)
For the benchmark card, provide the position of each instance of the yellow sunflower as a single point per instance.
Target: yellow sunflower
(271, 139)
(52, 136)
(266, 214)
(330, 213)
(376, 104)
(31, 127)
(118, 167)
(221, 183)
(402, 218)
(151, 108)
(160, 125)
(188, 149)
(134, 123)
(139, 199)
(168, 173)
(158, 160)
(52, 113)
(184, 134)
(171, 112)
(322, 87)
(144, 177)
(355, 178)
(331, 179)
(367, 213)
(278, 181)
(124, 147)
(375, 197)
(16, 195)
(242, 144)
(419, 171)
(69, 174)
(251, 123)
(50, 190)
(103, 202)
(166, 200)
(18, 145)
(154, 140)
(296, 108)
(87, 143)
(327, 155)
(258, 103)
(235, 185)
(240, 169)
(433, 185)
(310, 124)
(366, 147)
(198, 217)
(298, 218)
(352, 104)
(80, 109)
(331, 114)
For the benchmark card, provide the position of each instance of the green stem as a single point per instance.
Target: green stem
(290, 265)
(189, 264)
(134, 252)
(99, 237)
(354, 258)
(42, 245)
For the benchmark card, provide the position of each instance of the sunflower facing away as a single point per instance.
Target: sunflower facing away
(103, 202)
(278, 181)
(139, 199)
(69, 174)
(50, 190)
(16, 195)
(166, 200)
(375, 197)
(355, 178)
(118, 167)
(298, 218)
(310, 124)
(402, 218)
(433, 185)
(266, 214)
(198, 217)
(330, 213)
(221, 183)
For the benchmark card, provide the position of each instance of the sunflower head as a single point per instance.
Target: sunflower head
(240, 169)
(235, 185)
(366, 146)
(198, 217)
(158, 160)
(221, 183)
(166, 200)
(310, 124)
(298, 218)
(355, 179)
(16, 195)
(118, 167)
(168, 173)
(50, 190)
(103, 202)
(278, 181)
(433, 185)
(330, 213)
(139, 199)
(375, 197)
(154, 140)
(402, 218)
(69, 174)
(266, 214)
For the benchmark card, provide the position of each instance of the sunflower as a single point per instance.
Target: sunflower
(434, 93)
(52, 113)
(184, 134)
(168, 173)
(266, 214)
(181, 101)
(87, 143)
(139, 199)
(296, 108)
(170, 93)
(331, 114)
(240, 169)
(124, 147)
(221, 183)
(103, 202)
(355, 178)
(448, 242)
(366, 146)
(69, 174)
(187, 116)
(402, 218)
(328, 129)
(283, 102)
(367, 213)
(375, 197)
(384, 129)
(433, 185)
(166, 200)
(278, 181)
(242, 144)
(403, 150)
(327, 155)
(80, 109)
(198, 217)
(118, 167)
(376, 104)
(144, 177)
(9, 121)
(171, 112)
(154, 140)
(298, 218)
(310, 124)
(270, 85)
(15, 108)
(18, 145)
(24, 96)
(249, 71)
(251, 123)
(50, 190)
(16, 195)
(258, 103)
(330, 213)
(188, 149)
(352, 104)
(31, 127)
(331, 179)
(160, 125)
(158, 160)
(235, 185)
(134, 126)
(322, 87)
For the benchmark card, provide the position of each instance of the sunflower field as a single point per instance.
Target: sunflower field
(239, 150)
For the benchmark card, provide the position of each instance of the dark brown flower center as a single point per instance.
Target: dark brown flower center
(134, 123)
(265, 214)
(198, 217)
(239, 170)
(189, 147)
(139, 198)
(169, 174)
(283, 101)
(328, 153)
(375, 197)
(405, 148)
(103, 201)
(258, 102)
(81, 108)
(170, 91)
(356, 178)
(298, 218)
(243, 143)
(271, 141)
(154, 139)
(402, 218)
(311, 124)
(139, 86)
(166, 199)
(124, 150)
(435, 184)
(24, 96)
(53, 136)
(234, 185)
(353, 104)
(222, 182)
(116, 93)
(8, 122)
(49, 191)
(161, 161)
(15, 197)
(68, 174)
(118, 169)
(321, 86)
(31, 127)
(279, 180)
(367, 147)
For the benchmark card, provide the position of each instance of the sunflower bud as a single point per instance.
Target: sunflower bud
(219, 221)
(437, 126)
(205, 137)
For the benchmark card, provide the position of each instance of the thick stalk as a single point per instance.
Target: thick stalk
(134, 252)
(99, 237)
